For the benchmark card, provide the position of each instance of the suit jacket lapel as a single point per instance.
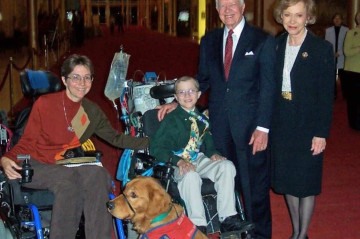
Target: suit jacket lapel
(219, 49)
(280, 52)
(303, 52)
(243, 43)
(301, 59)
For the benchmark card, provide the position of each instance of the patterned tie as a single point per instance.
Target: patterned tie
(228, 53)
(191, 150)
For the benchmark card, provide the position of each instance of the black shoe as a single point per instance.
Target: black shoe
(234, 223)
(202, 229)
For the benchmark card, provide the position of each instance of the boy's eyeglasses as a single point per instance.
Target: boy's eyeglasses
(75, 78)
(183, 93)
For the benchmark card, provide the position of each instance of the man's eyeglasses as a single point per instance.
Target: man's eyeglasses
(183, 93)
(75, 78)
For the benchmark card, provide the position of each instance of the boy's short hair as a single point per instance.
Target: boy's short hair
(186, 78)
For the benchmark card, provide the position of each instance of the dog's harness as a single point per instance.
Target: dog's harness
(157, 218)
(128, 203)
(180, 228)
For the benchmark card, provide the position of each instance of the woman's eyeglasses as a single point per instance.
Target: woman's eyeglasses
(75, 78)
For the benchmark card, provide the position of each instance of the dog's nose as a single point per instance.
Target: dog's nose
(110, 205)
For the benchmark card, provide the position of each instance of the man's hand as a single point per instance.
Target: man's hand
(10, 167)
(259, 141)
(165, 109)
(318, 145)
(185, 167)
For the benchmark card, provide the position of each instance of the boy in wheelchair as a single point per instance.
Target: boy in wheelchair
(179, 137)
(60, 122)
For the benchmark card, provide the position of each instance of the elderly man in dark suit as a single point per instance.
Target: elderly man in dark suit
(240, 103)
(239, 72)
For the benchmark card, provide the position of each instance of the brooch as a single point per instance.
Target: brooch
(305, 55)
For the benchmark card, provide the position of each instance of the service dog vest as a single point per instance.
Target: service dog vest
(180, 228)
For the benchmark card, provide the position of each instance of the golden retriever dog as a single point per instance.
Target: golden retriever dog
(149, 207)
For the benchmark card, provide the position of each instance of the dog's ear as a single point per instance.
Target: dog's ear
(159, 199)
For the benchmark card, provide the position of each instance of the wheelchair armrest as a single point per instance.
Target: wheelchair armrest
(96, 154)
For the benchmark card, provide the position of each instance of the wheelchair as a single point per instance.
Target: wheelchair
(26, 213)
(142, 163)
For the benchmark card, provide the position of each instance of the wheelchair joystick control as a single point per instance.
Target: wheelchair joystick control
(26, 172)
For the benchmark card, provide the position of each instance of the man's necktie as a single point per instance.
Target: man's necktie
(190, 151)
(228, 53)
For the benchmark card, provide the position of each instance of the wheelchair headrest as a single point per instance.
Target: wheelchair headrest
(35, 83)
(162, 91)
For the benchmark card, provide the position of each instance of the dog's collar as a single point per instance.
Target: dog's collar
(161, 216)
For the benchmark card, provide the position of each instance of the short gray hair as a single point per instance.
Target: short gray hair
(217, 3)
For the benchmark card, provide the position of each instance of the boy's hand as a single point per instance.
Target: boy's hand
(217, 157)
(185, 167)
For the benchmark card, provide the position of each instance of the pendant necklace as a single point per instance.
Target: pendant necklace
(69, 128)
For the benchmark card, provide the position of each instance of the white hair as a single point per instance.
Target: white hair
(217, 3)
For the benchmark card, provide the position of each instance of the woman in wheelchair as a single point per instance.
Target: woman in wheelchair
(58, 122)
(179, 137)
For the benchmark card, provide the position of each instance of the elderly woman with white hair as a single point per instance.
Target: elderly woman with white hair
(302, 113)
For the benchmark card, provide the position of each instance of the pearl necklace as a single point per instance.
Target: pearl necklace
(69, 128)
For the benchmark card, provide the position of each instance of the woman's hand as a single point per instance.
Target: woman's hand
(10, 168)
(185, 167)
(318, 145)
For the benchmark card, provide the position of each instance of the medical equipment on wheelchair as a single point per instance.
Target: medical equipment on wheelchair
(142, 98)
(134, 95)
(117, 75)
